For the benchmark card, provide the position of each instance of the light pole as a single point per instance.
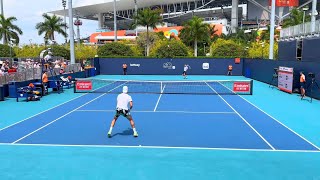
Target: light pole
(272, 27)
(1, 3)
(306, 8)
(72, 55)
(115, 20)
(313, 15)
(136, 13)
(11, 44)
(64, 4)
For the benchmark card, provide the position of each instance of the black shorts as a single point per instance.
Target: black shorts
(125, 69)
(124, 113)
(302, 84)
(184, 72)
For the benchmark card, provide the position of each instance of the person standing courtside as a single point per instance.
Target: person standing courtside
(44, 81)
(229, 70)
(124, 67)
(302, 84)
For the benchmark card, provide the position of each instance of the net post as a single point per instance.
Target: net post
(75, 86)
(251, 87)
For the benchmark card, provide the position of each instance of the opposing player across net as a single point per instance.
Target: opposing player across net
(221, 87)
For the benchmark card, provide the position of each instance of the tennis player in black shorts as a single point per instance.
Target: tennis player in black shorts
(123, 100)
(185, 69)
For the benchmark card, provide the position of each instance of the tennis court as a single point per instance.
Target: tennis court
(194, 115)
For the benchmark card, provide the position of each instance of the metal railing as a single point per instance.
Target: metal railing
(35, 73)
(300, 30)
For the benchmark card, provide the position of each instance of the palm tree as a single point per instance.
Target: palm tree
(212, 33)
(150, 19)
(8, 30)
(196, 31)
(296, 17)
(51, 25)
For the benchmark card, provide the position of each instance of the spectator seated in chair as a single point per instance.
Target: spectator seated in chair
(72, 80)
(67, 81)
(29, 92)
(35, 93)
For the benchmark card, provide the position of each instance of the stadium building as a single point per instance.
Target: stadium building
(226, 15)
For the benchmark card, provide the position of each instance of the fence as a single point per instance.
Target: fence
(300, 30)
(35, 73)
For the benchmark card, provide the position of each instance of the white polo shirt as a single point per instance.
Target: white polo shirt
(123, 101)
(185, 68)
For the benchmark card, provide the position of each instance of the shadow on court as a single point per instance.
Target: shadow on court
(128, 132)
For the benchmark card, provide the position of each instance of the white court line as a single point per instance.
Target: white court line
(44, 111)
(243, 118)
(64, 115)
(276, 120)
(160, 147)
(41, 112)
(155, 108)
(186, 112)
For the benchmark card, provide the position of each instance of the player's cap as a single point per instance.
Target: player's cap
(125, 89)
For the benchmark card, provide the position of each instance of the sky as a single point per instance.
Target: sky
(29, 13)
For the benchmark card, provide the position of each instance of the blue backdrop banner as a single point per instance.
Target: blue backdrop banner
(139, 66)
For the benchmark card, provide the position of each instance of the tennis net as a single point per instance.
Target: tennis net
(227, 87)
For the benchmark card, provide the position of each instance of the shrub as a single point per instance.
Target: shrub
(227, 49)
(137, 50)
(5, 51)
(169, 49)
(115, 49)
(58, 51)
(85, 52)
(28, 51)
(257, 51)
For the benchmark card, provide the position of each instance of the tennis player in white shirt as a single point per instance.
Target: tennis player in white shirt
(185, 69)
(123, 100)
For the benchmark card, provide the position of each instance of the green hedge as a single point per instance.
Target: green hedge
(169, 49)
(5, 51)
(115, 49)
(227, 49)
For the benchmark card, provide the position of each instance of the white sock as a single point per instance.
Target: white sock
(134, 130)
(110, 130)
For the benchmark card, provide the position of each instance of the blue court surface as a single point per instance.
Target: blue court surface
(267, 135)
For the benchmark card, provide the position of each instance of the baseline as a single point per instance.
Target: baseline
(161, 147)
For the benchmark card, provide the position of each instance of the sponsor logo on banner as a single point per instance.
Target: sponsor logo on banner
(285, 69)
(84, 85)
(241, 87)
(134, 65)
(168, 65)
(205, 66)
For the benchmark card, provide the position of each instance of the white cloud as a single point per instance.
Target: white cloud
(29, 13)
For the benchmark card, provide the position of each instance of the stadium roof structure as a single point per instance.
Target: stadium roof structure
(122, 5)
(174, 11)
